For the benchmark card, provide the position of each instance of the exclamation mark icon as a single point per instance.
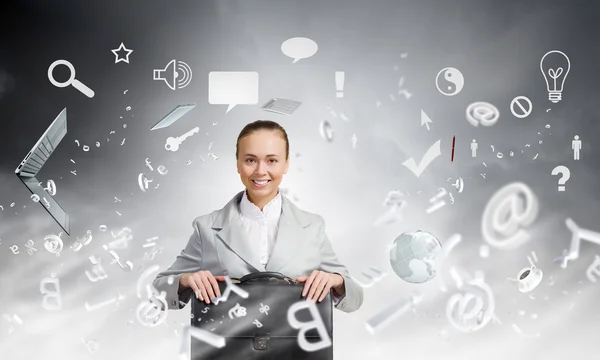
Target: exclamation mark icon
(339, 83)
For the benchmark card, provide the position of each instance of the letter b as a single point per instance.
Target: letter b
(316, 323)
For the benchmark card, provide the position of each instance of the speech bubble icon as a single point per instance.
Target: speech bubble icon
(299, 48)
(232, 88)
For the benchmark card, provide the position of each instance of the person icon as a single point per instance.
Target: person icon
(474, 147)
(576, 146)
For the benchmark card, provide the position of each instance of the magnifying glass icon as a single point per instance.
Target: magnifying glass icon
(72, 81)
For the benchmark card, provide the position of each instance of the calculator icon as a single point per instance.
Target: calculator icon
(281, 106)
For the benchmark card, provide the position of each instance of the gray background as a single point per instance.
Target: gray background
(496, 44)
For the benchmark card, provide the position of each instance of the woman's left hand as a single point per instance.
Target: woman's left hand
(318, 284)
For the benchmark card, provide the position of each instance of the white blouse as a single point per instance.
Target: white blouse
(262, 228)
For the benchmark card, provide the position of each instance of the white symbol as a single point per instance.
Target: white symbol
(104, 303)
(173, 143)
(51, 189)
(397, 204)
(71, 81)
(484, 251)
(594, 269)
(53, 244)
(78, 244)
(340, 78)
(354, 141)
(205, 310)
(454, 81)
(150, 256)
(91, 345)
(148, 164)
(237, 310)
(97, 270)
(214, 340)
(162, 170)
(122, 239)
(121, 48)
(55, 294)
(512, 206)
(432, 153)
(46, 202)
(140, 282)
(315, 324)
(528, 278)
(176, 74)
(15, 249)
(392, 312)
(230, 287)
(425, 120)
(299, 48)
(143, 182)
(15, 318)
(373, 276)
(150, 242)
(436, 201)
(459, 185)
(577, 235)
(448, 246)
(257, 323)
(462, 313)
(264, 309)
(326, 130)
(86, 148)
(555, 77)
(30, 248)
(232, 88)
(576, 146)
(524, 111)
(77, 141)
(128, 266)
(407, 94)
(482, 112)
(150, 312)
(566, 175)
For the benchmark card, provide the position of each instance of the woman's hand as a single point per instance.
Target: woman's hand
(203, 283)
(317, 285)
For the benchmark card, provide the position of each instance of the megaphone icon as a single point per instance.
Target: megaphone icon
(176, 74)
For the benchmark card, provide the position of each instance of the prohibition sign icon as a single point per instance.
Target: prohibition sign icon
(518, 108)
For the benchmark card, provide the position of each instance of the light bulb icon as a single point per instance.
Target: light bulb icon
(555, 66)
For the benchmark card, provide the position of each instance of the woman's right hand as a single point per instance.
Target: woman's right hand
(203, 283)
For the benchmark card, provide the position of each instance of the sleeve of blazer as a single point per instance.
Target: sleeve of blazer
(190, 260)
(353, 298)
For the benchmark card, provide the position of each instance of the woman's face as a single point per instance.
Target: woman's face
(261, 156)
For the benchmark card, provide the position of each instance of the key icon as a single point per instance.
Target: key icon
(173, 143)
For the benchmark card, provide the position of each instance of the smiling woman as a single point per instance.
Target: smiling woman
(259, 230)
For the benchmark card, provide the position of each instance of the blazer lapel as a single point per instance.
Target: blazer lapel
(231, 231)
(290, 235)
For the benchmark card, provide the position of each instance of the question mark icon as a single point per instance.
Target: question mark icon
(566, 175)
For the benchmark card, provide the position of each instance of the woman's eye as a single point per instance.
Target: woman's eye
(273, 160)
(248, 160)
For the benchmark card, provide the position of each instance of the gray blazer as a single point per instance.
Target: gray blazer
(218, 245)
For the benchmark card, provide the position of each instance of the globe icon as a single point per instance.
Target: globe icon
(413, 256)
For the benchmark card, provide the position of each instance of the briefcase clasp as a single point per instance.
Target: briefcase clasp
(261, 342)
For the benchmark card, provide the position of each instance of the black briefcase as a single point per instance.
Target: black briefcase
(256, 327)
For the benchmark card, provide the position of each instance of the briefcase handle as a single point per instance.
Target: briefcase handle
(264, 275)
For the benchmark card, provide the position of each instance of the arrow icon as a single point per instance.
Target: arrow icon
(425, 120)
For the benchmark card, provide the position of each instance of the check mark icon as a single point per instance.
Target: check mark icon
(432, 153)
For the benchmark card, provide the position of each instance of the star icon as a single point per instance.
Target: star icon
(117, 57)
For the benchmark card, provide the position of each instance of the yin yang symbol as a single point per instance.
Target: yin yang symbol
(451, 83)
